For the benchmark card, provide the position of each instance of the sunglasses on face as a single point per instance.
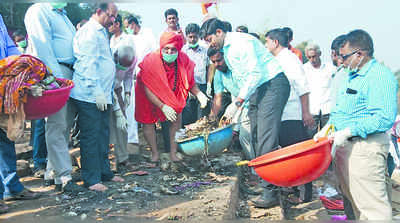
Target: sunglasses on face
(344, 57)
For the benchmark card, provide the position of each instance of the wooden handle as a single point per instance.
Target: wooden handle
(242, 163)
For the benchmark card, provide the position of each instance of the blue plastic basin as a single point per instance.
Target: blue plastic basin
(218, 140)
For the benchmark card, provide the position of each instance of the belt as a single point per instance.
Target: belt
(353, 138)
(70, 66)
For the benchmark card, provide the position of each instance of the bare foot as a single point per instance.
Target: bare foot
(98, 187)
(155, 157)
(117, 179)
(174, 158)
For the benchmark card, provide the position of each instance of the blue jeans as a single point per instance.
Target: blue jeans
(39, 145)
(9, 184)
(95, 139)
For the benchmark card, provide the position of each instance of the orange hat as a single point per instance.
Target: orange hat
(171, 37)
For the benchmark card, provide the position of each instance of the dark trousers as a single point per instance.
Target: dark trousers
(94, 139)
(9, 183)
(292, 132)
(320, 122)
(265, 111)
(39, 148)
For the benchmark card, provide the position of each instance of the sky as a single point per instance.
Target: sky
(317, 20)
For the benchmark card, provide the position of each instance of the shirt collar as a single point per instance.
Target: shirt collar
(97, 24)
(364, 70)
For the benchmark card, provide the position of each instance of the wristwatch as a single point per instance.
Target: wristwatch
(238, 103)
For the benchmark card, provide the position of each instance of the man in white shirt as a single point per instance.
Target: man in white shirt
(198, 54)
(145, 43)
(319, 76)
(296, 115)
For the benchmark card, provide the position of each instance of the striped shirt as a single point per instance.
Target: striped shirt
(250, 62)
(366, 102)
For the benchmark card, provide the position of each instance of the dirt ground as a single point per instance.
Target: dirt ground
(192, 190)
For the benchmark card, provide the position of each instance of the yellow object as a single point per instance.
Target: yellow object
(331, 129)
(241, 163)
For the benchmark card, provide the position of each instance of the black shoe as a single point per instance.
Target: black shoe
(71, 187)
(26, 194)
(49, 182)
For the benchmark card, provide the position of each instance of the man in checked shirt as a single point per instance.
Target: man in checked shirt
(365, 108)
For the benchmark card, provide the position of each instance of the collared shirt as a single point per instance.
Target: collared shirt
(337, 78)
(250, 62)
(94, 67)
(293, 69)
(200, 58)
(7, 46)
(366, 101)
(50, 34)
(145, 43)
(320, 80)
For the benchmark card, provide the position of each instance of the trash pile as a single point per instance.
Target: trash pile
(201, 126)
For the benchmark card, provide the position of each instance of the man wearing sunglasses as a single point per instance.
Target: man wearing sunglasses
(366, 107)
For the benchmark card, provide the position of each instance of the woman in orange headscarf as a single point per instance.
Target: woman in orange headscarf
(162, 87)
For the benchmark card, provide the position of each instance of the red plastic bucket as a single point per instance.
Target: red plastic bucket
(294, 165)
(49, 103)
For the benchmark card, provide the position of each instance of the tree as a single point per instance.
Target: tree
(302, 46)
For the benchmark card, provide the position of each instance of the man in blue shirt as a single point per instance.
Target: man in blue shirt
(92, 95)
(50, 35)
(366, 107)
(261, 82)
(10, 186)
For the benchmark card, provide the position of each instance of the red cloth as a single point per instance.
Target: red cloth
(159, 78)
(298, 53)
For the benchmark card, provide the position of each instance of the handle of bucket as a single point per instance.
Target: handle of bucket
(242, 163)
(331, 129)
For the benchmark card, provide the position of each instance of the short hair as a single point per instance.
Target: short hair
(337, 43)
(119, 20)
(210, 27)
(18, 32)
(133, 19)
(171, 11)
(243, 28)
(280, 35)
(192, 28)
(312, 46)
(289, 32)
(103, 6)
(228, 26)
(360, 39)
(255, 35)
(211, 52)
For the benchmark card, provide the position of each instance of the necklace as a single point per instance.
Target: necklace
(175, 74)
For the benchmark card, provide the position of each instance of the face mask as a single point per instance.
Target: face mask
(193, 45)
(352, 71)
(169, 58)
(58, 5)
(129, 30)
(120, 67)
(22, 43)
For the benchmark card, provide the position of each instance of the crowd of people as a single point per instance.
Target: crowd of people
(124, 76)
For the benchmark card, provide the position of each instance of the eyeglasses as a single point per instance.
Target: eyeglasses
(344, 57)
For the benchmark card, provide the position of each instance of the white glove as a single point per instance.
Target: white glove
(208, 91)
(122, 124)
(340, 138)
(231, 111)
(322, 132)
(202, 99)
(169, 113)
(101, 102)
(127, 100)
(236, 117)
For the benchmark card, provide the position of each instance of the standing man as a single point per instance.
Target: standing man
(296, 115)
(10, 186)
(242, 29)
(50, 34)
(144, 44)
(289, 33)
(365, 110)
(319, 77)
(172, 20)
(198, 54)
(260, 81)
(92, 95)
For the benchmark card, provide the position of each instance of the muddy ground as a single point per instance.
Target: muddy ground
(196, 189)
